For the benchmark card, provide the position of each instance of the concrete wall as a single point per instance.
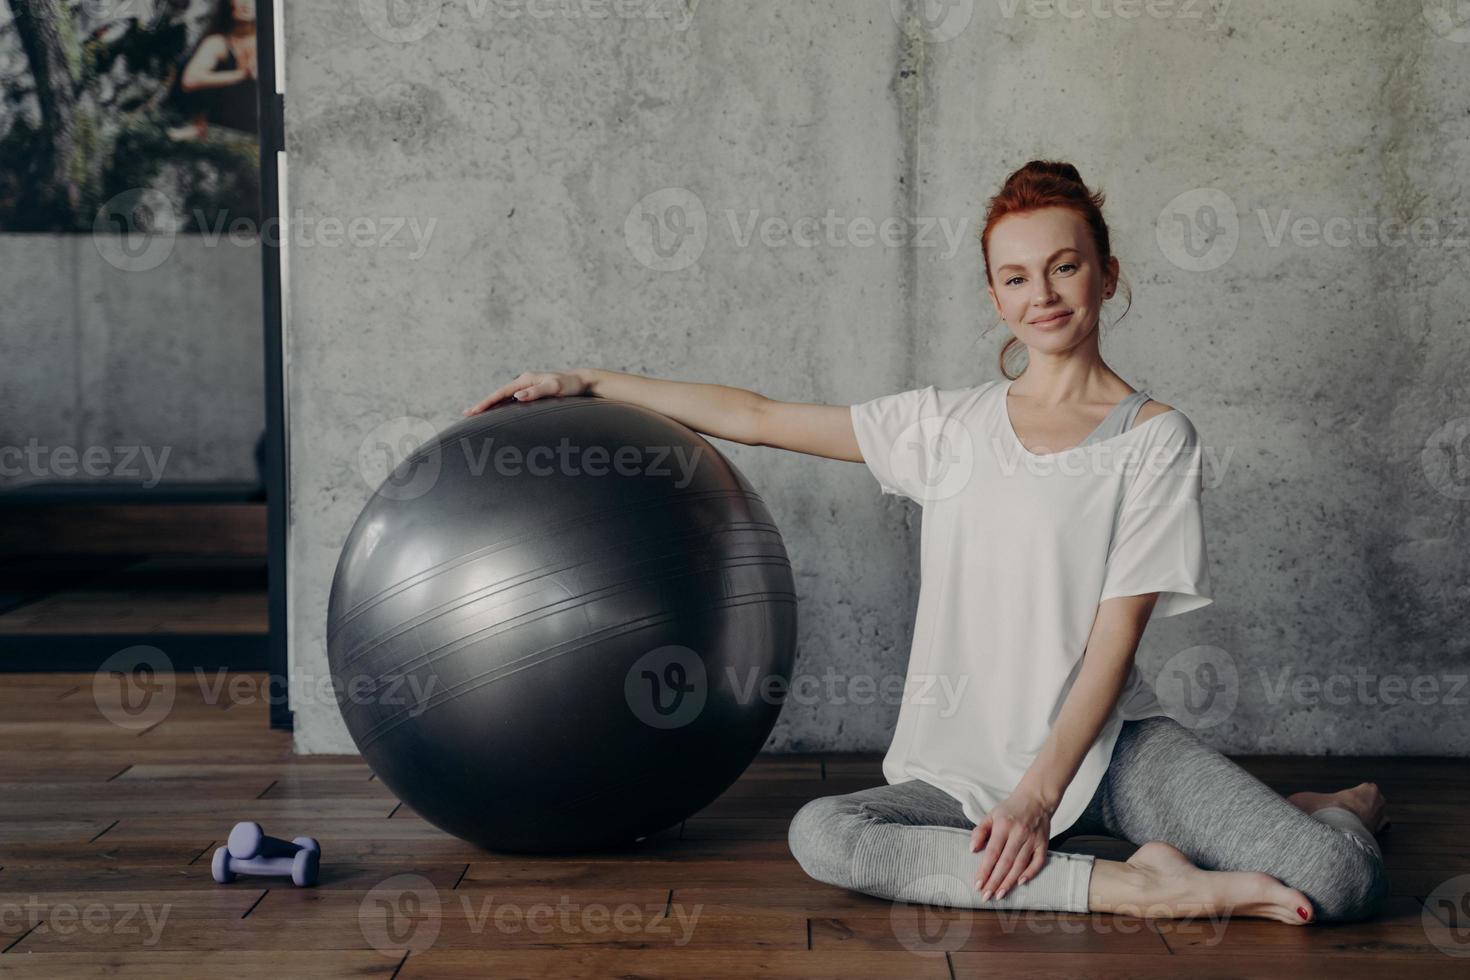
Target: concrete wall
(1325, 373)
(144, 365)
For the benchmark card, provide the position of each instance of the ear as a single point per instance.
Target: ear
(990, 290)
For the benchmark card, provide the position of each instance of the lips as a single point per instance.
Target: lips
(1051, 321)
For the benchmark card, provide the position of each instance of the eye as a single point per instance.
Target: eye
(1066, 265)
(1012, 279)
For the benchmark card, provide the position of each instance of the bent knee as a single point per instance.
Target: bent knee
(822, 837)
(1355, 889)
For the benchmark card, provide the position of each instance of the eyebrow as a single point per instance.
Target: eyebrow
(1060, 251)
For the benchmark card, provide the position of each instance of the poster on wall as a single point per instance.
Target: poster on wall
(136, 112)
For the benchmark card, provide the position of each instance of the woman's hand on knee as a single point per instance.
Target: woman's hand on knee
(1014, 836)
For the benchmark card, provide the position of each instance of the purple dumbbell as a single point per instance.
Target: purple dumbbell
(250, 852)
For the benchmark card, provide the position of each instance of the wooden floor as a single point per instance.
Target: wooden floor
(111, 809)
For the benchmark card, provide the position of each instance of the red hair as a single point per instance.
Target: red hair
(1045, 184)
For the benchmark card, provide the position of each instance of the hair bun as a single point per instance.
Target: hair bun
(1049, 168)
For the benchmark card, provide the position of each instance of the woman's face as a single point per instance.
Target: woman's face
(244, 10)
(1047, 281)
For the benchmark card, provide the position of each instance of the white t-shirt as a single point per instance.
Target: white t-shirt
(1016, 552)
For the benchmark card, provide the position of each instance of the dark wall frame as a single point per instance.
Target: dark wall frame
(273, 234)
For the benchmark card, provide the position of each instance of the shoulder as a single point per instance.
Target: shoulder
(1151, 409)
(1170, 430)
(212, 46)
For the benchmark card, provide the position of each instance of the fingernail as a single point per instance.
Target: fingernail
(1000, 896)
(985, 895)
(1301, 912)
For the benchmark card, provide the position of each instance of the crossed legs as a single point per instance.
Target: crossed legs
(1213, 838)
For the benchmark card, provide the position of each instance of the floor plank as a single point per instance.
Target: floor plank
(103, 819)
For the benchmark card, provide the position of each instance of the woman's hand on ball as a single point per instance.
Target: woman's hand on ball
(532, 385)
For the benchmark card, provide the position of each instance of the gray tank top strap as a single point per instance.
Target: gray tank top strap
(1119, 419)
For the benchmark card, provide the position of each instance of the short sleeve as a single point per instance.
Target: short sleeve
(889, 433)
(1158, 542)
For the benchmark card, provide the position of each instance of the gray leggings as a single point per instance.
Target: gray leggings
(910, 841)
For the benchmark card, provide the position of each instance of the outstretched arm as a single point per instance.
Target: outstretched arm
(718, 410)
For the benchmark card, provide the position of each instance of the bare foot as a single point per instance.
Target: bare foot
(1364, 801)
(1158, 881)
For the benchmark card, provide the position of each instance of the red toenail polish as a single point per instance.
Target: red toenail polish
(1301, 912)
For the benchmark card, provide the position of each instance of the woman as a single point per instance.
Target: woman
(1040, 570)
(217, 85)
